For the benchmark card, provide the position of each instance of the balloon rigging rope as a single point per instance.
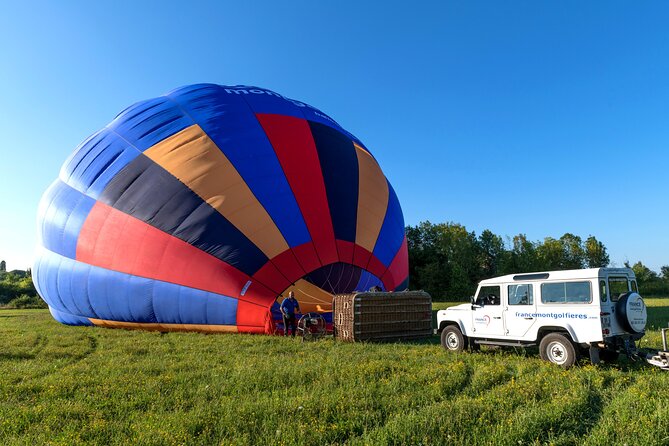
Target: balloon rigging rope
(314, 297)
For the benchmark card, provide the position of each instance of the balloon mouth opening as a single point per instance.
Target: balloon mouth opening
(316, 290)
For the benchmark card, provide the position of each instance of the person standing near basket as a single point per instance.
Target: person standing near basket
(289, 307)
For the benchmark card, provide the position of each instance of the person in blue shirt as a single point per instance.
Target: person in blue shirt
(289, 307)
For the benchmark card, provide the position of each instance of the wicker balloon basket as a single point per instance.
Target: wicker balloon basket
(381, 316)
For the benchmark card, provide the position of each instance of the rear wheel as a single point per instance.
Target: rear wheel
(452, 339)
(557, 349)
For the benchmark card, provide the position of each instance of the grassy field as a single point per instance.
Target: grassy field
(70, 385)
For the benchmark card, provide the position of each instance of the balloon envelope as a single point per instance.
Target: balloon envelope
(198, 210)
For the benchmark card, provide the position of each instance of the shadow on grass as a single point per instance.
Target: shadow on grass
(13, 356)
(430, 340)
(622, 364)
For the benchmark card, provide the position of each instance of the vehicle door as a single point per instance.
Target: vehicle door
(520, 314)
(487, 312)
(617, 286)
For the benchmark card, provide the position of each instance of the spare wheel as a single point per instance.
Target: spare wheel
(631, 312)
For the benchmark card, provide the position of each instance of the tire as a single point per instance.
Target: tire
(632, 322)
(452, 339)
(559, 350)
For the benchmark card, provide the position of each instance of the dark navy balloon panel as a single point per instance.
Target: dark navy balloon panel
(200, 209)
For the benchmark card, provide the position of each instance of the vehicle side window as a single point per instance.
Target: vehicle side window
(602, 290)
(634, 288)
(617, 286)
(521, 294)
(566, 293)
(489, 295)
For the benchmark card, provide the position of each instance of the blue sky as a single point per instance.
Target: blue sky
(533, 117)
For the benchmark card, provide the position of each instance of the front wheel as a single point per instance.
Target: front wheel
(452, 339)
(557, 349)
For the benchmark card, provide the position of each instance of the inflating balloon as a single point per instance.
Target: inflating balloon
(197, 210)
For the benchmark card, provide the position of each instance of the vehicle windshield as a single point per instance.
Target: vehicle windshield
(488, 295)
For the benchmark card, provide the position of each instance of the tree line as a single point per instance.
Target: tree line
(18, 291)
(650, 282)
(448, 261)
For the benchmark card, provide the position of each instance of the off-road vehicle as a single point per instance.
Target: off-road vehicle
(595, 311)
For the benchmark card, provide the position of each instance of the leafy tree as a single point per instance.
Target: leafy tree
(567, 252)
(573, 252)
(3, 266)
(444, 259)
(550, 254)
(462, 254)
(491, 252)
(427, 267)
(448, 261)
(595, 253)
(643, 273)
(523, 257)
(665, 272)
(13, 285)
(25, 301)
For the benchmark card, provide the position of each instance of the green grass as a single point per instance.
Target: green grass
(76, 385)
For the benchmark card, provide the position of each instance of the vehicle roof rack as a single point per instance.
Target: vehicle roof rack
(534, 276)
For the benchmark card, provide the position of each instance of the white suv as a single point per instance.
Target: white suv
(566, 313)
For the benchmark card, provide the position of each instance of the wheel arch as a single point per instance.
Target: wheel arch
(445, 323)
(565, 330)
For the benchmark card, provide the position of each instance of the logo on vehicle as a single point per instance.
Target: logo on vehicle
(482, 320)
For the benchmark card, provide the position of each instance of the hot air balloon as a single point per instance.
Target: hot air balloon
(199, 209)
